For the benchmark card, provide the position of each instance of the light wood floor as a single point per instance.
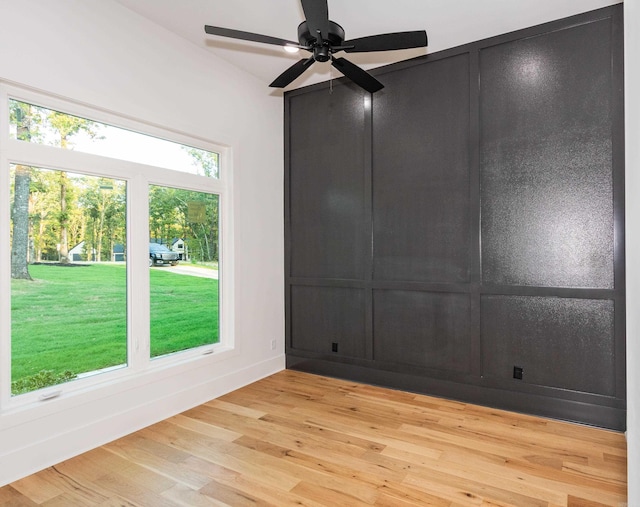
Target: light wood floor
(295, 439)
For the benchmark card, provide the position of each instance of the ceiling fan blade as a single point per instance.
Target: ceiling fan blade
(387, 42)
(291, 73)
(254, 37)
(316, 13)
(359, 76)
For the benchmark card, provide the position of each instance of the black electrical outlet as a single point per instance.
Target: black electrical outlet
(517, 372)
(334, 347)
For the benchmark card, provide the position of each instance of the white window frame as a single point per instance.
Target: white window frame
(140, 368)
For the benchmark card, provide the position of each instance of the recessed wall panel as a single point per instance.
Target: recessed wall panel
(546, 159)
(558, 342)
(326, 180)
(422, 329)
(421, 173)
(324, 316)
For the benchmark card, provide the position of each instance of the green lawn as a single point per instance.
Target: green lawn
(73, 318)
(184, 311)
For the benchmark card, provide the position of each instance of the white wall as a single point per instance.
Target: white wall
(632, 130)
(100, 53)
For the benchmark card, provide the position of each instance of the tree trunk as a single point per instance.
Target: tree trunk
(64, 220)
(101, 228)
(40, 236)
(20, 245)
(206, 252)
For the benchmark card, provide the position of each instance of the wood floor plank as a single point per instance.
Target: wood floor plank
(261, 467)
(188, 497)
(139, 452)
(9, 496)
(266, 494)
(204, 427)
(71, 500)
(403, 495)
(295, 439)
(38, 487)
(301, 424)
(137, 493)
(331, 496)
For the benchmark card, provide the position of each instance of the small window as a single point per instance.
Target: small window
(40, 125)
(184, 261)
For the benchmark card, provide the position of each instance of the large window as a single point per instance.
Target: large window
(114, 259)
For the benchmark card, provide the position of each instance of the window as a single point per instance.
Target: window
(41, 125)
(183, 231)
(68, 303)
(115, 259)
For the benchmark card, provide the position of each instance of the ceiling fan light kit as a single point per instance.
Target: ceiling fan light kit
(322, 38)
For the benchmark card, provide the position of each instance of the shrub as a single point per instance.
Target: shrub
(43, 378)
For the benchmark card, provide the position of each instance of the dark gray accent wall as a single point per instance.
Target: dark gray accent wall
(466, 221)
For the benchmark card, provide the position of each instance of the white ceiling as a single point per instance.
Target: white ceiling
(448, 23)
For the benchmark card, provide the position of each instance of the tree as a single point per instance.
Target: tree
(43, 206)
(164, 215)
(115, 216)
(66, 127)
(204, 235)
(20, 244)
(204, 161)
(21, 114)
(103, 203)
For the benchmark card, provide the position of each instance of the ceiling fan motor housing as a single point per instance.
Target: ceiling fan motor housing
(321, 47)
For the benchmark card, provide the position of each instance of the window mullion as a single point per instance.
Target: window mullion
(138, 301)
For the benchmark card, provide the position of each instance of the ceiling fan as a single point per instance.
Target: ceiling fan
(322, 37)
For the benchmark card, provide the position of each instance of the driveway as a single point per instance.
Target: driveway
(188, 269)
